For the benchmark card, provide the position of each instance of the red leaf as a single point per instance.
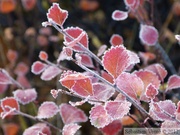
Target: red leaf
(117, 109)
(99, 117)
(38, 67)
(116, 60)
(70, 114)
(70, 129)
(116, 40)
(47, 110)
(132, 4)
(129, 2)
(78, 83)
(148, 35)
(4, 77)
(43, 55)
(3, 88)
(118, 15)
(151, 91)
(75, 33)
(12, 55)
(160, 71)
(113, 128)
(173, 82)
(86, 60)
(9, 105)
(28, 4)
(133, 87)
(38, 129)
(25, 96)
(161, 109)
(107, 76)
(57, 15)
(21, 69)
(50, 72)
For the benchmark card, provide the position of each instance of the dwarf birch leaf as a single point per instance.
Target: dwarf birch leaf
(43, 55)
(116, 60)
(25, 96)
(38, 67)
(99, 117)
(118, 15)
(50, 72)
(101, 50)
(173, 82)
(117, 109)
(107, 76)
(133, 87)
(113, 128)
(78, 83)
(38, 129)
(160, 71)
(70, 114)
(75, 33)
(47, 110)
(116, 40)
(4, 77)
(56, 14)
(134, 59)
(151, 91)
(148, 35)
(129, 3)
(70, 129)
(86, 60)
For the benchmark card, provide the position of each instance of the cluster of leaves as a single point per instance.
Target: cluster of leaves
(112, 89)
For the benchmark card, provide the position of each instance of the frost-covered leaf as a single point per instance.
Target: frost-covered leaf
(132, 4)
(148, 35)
(4, 77)
(118, 15)
(116, 40)
(38, 129)
(75, 33)
(99, 117)
(116, 60)
(38, 67)
(50, 72)
(117, 109)
(160, 71)
(57, 15)
(78, 83)
(163, 110)
(8, 106)
(54, 93)
(113, 128)
(101, 50)
(70, 129)
(133, 87)
(107, 76)
(151, 91)
(47, 110)
(173, 82)
(169, 127)
(134, 59)
(86, 60)
(70, 114)
(43, 55)
(25, 96)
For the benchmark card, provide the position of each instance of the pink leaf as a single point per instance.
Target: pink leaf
(102, 92)
(9, 105)
(118, 15)
(25, 96)
(78, 83)
(173, 82)
(117, 109)
(86, 60)
(134, 59)
(3, 88)
(70, 114)
(116, 60)
(54, 93)
(107, 76)
(70, 129)
(163, 110)
(160, 71)
(38, 67)
(75, 33)
(146, 57)
(38, 129)
(99, 117)
(47, 110)
(23, 81)
(151, 91)
(129, 2)
(57, 15)
(101, 50)
(21, 69)
(50, 72)
(133, 87)
(116, 40)
(148, 35)
(43, 55)
(170, 127)
(4, 77)
(66, 54)
(113, 128)
(132, 4)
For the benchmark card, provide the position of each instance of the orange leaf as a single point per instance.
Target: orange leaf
(7, 6)
(10, 129)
